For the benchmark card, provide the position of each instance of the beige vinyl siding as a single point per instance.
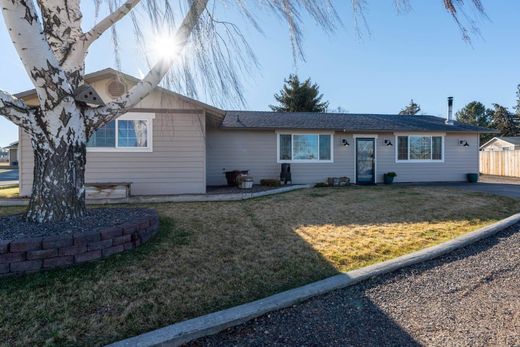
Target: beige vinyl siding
(256, 151)
(458, 161)
(176, 165)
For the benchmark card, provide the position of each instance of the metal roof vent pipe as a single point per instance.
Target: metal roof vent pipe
(449, 120)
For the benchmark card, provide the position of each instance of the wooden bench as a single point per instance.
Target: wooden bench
(107, 190)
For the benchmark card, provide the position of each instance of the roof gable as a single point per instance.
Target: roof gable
(508, 140)
(109, 73)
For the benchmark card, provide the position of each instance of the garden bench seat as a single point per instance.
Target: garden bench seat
(107, 190)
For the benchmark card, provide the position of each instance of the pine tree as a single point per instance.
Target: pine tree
(296, 96)
(475, 113)
(505, 121)
(411, 109)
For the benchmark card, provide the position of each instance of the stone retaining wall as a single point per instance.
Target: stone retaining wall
(38, 254)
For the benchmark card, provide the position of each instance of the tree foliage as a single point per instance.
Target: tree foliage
(476, 113)
(505, 121)
(296, 96)
(411, 109)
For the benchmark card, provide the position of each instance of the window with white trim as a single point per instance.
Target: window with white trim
(131, 132)
(420, 148)
(305, 147)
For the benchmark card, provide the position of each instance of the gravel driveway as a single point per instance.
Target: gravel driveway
(468, 298)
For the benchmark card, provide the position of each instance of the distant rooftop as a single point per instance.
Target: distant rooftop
(514, 140)
(343, 121)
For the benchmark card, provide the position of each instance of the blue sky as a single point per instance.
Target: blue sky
(419, 55)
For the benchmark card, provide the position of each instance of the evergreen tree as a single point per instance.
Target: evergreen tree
(505, 121)
(296, 96)
(411, 109)
(475, 113)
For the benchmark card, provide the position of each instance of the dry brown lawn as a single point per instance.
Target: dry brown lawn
(209, 256)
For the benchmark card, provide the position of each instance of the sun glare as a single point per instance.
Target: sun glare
(164, 47)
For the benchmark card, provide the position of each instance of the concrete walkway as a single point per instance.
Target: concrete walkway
(173, 198)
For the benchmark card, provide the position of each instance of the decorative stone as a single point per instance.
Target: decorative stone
(99, 245)
(57, 242)
(25, 245)
(88, 256)
(110, 233)
(37, 254)
(42, 253)
(58, 262)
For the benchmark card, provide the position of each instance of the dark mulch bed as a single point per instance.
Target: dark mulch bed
(14, 227)
(235, 190)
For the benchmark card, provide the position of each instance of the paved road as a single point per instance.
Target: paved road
(468, 298)
(504, 186)
(8, 177)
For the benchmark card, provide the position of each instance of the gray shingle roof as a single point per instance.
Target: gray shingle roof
(514, 140)
(341, 121)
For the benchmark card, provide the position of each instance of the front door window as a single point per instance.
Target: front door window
(365, 160)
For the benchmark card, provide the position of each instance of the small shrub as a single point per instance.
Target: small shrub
(270, 182)
(321, 185)
(391, 174)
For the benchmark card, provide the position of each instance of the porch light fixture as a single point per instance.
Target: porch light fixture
(463, 143)
(388, 143)
(345, 142)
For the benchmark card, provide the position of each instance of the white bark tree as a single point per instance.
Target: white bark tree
(50, 41)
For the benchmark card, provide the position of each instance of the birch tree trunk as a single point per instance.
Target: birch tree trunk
(53, 52)
(58, 187)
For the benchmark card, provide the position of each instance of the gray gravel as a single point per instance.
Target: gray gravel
(468, 298)
(14, 227)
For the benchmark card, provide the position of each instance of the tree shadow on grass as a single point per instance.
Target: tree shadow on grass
(345, 317)
(207, 257)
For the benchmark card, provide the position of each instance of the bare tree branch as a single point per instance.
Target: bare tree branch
(105, 24)
(97, 117)
(17, 112)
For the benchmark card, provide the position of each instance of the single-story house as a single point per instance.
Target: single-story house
(502, 143)
(171, 144)
(12, 154)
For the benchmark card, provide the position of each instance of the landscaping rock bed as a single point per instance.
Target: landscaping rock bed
(27, 247)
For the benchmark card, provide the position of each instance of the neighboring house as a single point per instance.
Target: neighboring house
(500, 156)
(503, 143)
(171, 144)
(12, 154)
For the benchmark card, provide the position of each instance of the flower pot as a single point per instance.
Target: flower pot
(472, 177)
(388, 179)
(231, 176)
(246, 184)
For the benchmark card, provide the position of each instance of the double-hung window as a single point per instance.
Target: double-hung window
(131, 132)
(305, 148)
(420, 148)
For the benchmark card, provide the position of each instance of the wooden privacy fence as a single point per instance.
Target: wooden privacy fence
(500, 163)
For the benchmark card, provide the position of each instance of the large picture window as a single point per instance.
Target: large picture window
(129, 133)
(419, 148)
(305, 147)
